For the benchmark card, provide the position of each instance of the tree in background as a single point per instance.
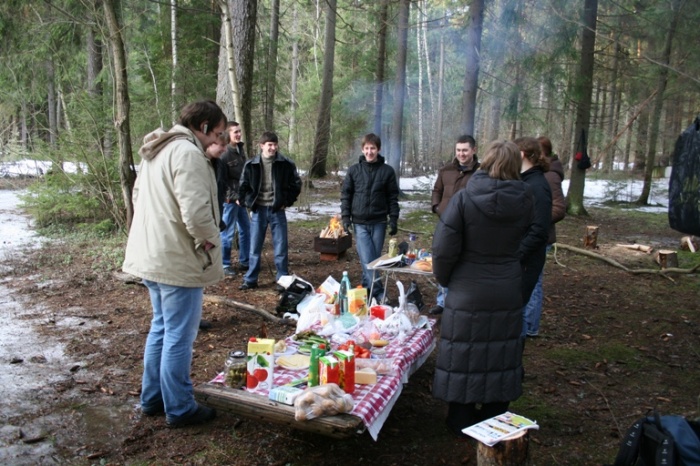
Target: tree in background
(323, 125)
(583, 92)
(471, 73)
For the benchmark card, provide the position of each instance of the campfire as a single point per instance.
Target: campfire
(334, 229)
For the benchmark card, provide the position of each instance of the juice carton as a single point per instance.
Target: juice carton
(357, 302)
(285, 394)
(260, 363)
(328, 370)
(346, 365)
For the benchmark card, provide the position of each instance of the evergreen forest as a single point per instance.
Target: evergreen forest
(82, 81)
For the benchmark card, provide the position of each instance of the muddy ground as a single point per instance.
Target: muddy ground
(613, 345)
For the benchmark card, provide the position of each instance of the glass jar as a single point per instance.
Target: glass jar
(235, 369)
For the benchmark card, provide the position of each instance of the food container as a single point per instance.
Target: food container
(380, 311)
(328, 370)
(235, 369)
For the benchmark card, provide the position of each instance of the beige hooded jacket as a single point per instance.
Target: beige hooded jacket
(175, 213)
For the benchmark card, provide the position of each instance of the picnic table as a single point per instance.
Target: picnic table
(373, 403)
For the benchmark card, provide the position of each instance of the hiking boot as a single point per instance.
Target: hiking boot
(204, 324)
(436, 310)
(201, 415)
(242, 267)
(229, 271)
(157, 410)
(248, 286)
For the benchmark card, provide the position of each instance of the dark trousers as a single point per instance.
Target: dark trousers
(461, 415)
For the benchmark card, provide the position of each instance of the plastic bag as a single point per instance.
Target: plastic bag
(310, 311)
(322, 400)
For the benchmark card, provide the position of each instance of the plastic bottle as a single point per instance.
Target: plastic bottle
(343, 293)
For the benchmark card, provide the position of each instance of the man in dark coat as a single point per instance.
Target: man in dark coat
(270, 183)
(475, 254)
(450, 179)
(370, 196)
(235, 217)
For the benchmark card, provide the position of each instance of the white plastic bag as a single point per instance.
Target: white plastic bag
(310, 310)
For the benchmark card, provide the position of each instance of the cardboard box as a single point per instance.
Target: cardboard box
(357, 302)
(346, 370)
(261, 363)
(285, 394)
(328, 370)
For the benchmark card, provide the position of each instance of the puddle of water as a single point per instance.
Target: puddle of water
(39, 399)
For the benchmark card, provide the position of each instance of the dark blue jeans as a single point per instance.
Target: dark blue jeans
(259, 220)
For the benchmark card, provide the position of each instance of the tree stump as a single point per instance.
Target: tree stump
(512, 452)
(590, 241)
(667, 258)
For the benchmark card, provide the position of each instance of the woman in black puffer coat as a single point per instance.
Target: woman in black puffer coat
(475, 255)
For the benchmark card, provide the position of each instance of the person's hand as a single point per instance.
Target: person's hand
(393, 228)
(208, 245)
(347, 226)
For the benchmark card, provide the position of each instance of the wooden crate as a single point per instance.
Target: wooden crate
(331, 248)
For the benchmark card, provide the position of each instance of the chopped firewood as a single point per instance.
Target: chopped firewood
(690, 243)
(637, 247)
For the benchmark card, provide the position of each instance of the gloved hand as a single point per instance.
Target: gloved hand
(392, 228)
(347, 225)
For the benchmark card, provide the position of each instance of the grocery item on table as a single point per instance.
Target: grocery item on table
(294, 362)
(324, 400)
(260, 362)
(235, 369)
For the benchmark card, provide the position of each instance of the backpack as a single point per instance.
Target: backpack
(660, 440)
(583, 161)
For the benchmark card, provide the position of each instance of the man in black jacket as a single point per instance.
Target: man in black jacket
(269, 184)
(233, 215)
(369, 196)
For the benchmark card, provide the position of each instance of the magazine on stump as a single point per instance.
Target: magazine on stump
(502, 427)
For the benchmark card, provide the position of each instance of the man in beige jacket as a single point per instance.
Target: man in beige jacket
(174, 247)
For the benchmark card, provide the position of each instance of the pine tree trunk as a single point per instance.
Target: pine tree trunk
(295, 72)
(271, 78)
(658, 104)
(471, 74)
(584, 90)
(323, 125)
(395, 154)
(127, 174)
(381, 63)
(228, 91)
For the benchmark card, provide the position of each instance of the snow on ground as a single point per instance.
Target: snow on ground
(595, 192)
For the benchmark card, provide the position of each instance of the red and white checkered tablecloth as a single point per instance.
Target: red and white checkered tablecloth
(374, 402)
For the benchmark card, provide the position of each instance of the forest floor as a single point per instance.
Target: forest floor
(613, 344)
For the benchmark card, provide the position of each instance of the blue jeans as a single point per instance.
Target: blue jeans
(442, 294)
(369, 241)
(258, 227)
(168, 354)
(533, 310)
(235, 217)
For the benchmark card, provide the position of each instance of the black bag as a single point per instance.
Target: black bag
(660, 440)
(684, 183)
(583, 161)
(414, 295)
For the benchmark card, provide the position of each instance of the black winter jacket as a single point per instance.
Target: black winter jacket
(285, 180)
(230, 170)
(475, 255)
(370, 193)
(533, 248)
